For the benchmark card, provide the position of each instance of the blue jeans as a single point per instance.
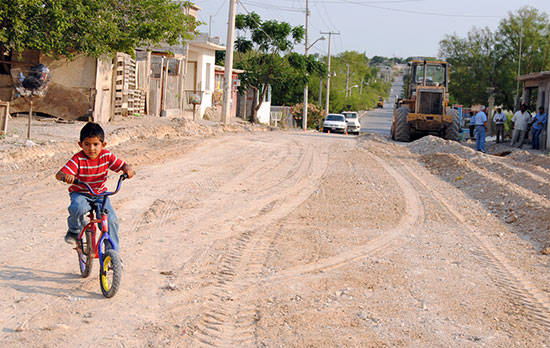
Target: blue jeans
(480, 138)
(535, 142)
(81, 205)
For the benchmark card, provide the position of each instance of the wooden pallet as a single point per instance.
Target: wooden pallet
(125, 84)
(4, 115)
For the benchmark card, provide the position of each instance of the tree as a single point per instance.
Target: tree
(297, 70)
(485, 60)
(262, 53)
(364, 87)
(63, 28)
(472, 62)
(534, 28)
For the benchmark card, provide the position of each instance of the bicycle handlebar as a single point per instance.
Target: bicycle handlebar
(93, 193)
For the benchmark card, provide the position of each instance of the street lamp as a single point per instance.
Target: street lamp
(304, 118)
(314, 42)
(348, 90)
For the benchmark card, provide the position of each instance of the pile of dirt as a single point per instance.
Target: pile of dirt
(431, 144)
(514, 188)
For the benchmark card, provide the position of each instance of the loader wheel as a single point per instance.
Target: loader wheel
(452, 130)
(402, 129)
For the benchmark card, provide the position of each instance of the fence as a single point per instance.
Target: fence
(282, 116)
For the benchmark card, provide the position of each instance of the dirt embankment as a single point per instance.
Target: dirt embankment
(513, 188)
(138, 140)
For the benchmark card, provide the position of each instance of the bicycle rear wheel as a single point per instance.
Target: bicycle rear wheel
(85, 254)
(110, 273)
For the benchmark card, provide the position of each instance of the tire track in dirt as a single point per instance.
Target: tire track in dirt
(228, 318)
(151, 219)
(506, 277)
(385, 243)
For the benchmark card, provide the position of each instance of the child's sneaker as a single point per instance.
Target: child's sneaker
(70, 238)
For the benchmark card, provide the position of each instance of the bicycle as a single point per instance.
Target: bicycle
(89, 246)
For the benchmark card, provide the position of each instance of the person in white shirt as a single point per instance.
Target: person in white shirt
(521, 125)
(499, 120)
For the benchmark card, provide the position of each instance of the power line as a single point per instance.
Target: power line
(254, 19)
(328, 17)
(419, 12)
(273, 7)
(219, 8)
(362, 2)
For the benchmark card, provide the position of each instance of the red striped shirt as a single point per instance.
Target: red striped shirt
(92, 171)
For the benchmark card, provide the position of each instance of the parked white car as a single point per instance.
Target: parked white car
(352, 119)
(335, 123)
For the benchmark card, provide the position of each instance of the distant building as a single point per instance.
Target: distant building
(384, 72)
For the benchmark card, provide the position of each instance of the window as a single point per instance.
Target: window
(173, 67)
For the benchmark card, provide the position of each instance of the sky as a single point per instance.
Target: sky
(400, 28)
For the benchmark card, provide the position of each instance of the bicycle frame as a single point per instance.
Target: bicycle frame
(102, 219)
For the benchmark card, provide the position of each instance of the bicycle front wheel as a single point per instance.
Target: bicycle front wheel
(85, 254)
(110, 273)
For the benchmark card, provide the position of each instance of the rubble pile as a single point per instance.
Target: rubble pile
(514, 188)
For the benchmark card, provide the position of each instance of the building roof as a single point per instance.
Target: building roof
(202, 40)
(222, 68)
(535, 76)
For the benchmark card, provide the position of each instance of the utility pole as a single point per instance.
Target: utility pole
(330, 33)
(347, 80)
(517, 103)
(304, 118)
(361, 87)
(210, 28)
(320, 91)
(228, 76)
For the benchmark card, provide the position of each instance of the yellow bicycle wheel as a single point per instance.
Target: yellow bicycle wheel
(110, 274)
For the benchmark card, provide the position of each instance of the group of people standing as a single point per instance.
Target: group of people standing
(522, 119)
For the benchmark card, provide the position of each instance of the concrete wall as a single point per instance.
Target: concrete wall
(79, 73)
(264, 112)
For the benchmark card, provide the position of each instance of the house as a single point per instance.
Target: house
(158, 81)
(219, 79)
(199, 77)
(540, 84)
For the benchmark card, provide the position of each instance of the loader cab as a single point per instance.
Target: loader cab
(427, 87)
(424, 108)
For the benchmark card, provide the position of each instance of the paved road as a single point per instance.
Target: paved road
(379, 120)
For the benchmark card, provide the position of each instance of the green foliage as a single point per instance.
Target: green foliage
(269, 35)
(360, 73)
(315, 114)
(265, 57)
(63, 28)
(220, 58)
(485, 59)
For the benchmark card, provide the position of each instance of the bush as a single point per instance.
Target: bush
(314, 114)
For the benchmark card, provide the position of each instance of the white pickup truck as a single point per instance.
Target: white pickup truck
(352, 119)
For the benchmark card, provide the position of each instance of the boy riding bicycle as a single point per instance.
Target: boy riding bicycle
(91, 165)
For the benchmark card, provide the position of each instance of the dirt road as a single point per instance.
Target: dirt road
(282, 239)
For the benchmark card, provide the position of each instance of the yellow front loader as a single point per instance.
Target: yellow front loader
(424, 109)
